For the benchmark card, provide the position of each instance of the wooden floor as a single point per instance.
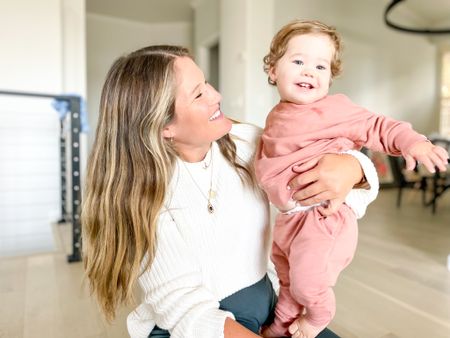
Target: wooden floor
(397, 286)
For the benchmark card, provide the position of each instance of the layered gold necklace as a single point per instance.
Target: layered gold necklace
(211, 193)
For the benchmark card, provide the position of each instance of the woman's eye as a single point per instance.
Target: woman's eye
(203, 88)
(298, 62)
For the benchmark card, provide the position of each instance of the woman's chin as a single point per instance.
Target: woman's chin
(225, 125)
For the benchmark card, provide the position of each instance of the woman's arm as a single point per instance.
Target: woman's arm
(349, 177)
(235, 330)
(174, 292)
(330, 177)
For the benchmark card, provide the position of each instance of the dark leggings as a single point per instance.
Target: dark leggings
(252, 307)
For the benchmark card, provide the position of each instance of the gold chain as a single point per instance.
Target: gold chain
(211, 193)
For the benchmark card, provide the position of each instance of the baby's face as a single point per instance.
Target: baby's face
(303, 74)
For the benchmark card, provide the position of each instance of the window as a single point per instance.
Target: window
(444, 125)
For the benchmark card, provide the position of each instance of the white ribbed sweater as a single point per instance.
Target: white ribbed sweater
(202, 258)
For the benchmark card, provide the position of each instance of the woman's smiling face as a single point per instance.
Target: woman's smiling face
(198, 120)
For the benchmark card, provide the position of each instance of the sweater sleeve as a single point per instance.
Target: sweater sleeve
(359, 199)
(376, 131)
(173, 290)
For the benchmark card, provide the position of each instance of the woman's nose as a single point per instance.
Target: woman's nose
(214, 95)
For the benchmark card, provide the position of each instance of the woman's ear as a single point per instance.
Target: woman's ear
(167, 132)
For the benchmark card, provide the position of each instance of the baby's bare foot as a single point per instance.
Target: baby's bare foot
(301, 328)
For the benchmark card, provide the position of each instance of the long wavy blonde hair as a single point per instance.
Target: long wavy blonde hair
(129, 170)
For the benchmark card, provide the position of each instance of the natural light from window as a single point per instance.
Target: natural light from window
(444, 128)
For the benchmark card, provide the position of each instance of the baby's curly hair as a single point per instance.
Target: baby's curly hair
(297, 27)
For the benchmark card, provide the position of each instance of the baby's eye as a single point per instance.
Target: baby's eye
(298, 62)
(199, 95)
(320, 67)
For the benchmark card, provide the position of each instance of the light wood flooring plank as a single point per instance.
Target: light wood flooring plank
(12, 295)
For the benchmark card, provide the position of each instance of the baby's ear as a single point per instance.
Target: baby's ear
(272, 75)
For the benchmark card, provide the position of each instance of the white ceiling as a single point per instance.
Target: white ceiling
(143, 10)
(429, 12)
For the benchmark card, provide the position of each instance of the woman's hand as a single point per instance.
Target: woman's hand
(327, 178)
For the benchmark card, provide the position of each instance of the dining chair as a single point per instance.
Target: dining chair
(406, 179)
(439, 182)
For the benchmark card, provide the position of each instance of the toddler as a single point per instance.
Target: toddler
(312, 245)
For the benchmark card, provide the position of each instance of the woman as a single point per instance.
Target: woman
(171, 202)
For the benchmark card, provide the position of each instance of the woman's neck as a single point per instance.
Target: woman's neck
(192, 154)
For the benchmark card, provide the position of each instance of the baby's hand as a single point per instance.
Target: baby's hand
(330, 207)
(429, 155)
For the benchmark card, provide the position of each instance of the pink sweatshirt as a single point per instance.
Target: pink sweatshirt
(295, 134)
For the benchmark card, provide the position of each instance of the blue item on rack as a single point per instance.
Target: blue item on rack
(62, 107)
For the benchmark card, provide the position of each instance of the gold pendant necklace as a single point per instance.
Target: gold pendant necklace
(205, 165)
(211, 192)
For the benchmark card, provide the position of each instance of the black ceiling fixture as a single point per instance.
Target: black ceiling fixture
(408, 29)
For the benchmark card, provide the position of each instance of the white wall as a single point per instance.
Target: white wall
(206, 33)
(74, 46)
(246, 31)
(206, 22)
(109, 38)
(43, 52)
(243, 30)
(31, 30)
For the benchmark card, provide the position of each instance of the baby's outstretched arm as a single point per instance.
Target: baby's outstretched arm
(428, 154)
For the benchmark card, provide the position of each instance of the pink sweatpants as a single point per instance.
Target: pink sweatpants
(309, 251)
